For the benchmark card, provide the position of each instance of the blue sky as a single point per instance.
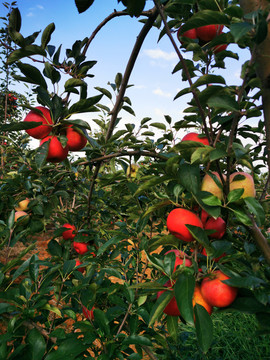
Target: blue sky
(154, 84)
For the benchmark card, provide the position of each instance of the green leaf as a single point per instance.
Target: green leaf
(137, 340)
(235, 195)
(134, 8)
(83, 5)
(204, 327)
(225, 102)
(200, 235)
(149, 184)
(189, 177)
(15, 20)
(69, 349)
(104, 92)
(41, 155)
(172, 326)
(129, 110)
(33, 267)
(36, 345)
(85, 105)
(159, 306)
(184, 290)
(256, 209)
(70, 83)
(158, 125)
(33, 74)
(209, 79)
(21, 269)
(46, 35)
(238, 30)
(102, 321)
(68, 266)
(241, 216)
(54, 248)
(26, 51)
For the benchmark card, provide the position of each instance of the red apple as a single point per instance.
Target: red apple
(218, 48)
(75, 140)
(218, 224)
(204, 216)
(215, 292)
(80, 247)
(177, 221)
(57, 152)
(171, 308)
(198, 299)
(209, 184)
(196, 137)
(191, 34)
(78, 263)
(180, 258)
(209, 32)
(89, 314)
(70, 233)
(247, 183)
(43, 130)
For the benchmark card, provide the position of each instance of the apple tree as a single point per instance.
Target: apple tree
(152, 223)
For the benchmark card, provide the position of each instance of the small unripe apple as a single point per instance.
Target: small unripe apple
(70, 233)
(80, 247)
(177, 221)
(43, 130)
(209, 184)
(57, 152)
(247, 183)
(209, 32)
(196, 137)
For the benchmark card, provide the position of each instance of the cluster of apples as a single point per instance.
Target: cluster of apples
(204, 34)
(44, 132)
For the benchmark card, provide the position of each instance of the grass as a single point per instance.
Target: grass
(234, 339)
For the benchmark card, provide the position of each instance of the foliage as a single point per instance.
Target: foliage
(122, 215)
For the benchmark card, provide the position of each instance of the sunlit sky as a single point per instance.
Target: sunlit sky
(154, 84)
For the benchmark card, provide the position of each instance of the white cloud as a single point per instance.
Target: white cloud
(160, 54)
(30, 14)
(40, 7)
(160, 92)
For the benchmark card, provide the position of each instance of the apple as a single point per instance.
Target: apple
(171, 308)
(57, 152)
(180, 258)
(80, 247)
(218, 48)
(196, 137)
(43, 130)
(22, 205)
(132, 170)
(198, 299)
(208, 184)
(247, 183)
(177, 221)
(70, 233)
(218, 224)
(19, 214)
(209, 32)
(78, 263)
(89, 314)
(191, 34)
(75, 139)
(204, 216)
(215, 292)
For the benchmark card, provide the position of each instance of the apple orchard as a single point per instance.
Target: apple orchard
(145, 237)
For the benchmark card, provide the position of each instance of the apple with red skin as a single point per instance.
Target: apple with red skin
(209, 184)
(218, 224)
(171, 308)
(56, 152)
(196, 137)
(89, 314)
(215, 292)
(80, 247)
(218, 48)
(209, 32)
(247, 183)
(190, 34)
(75, 140)
(70, 233)
(198, 299)
(177, 221)
(43, 130)
(180, 258)
(78, 263)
